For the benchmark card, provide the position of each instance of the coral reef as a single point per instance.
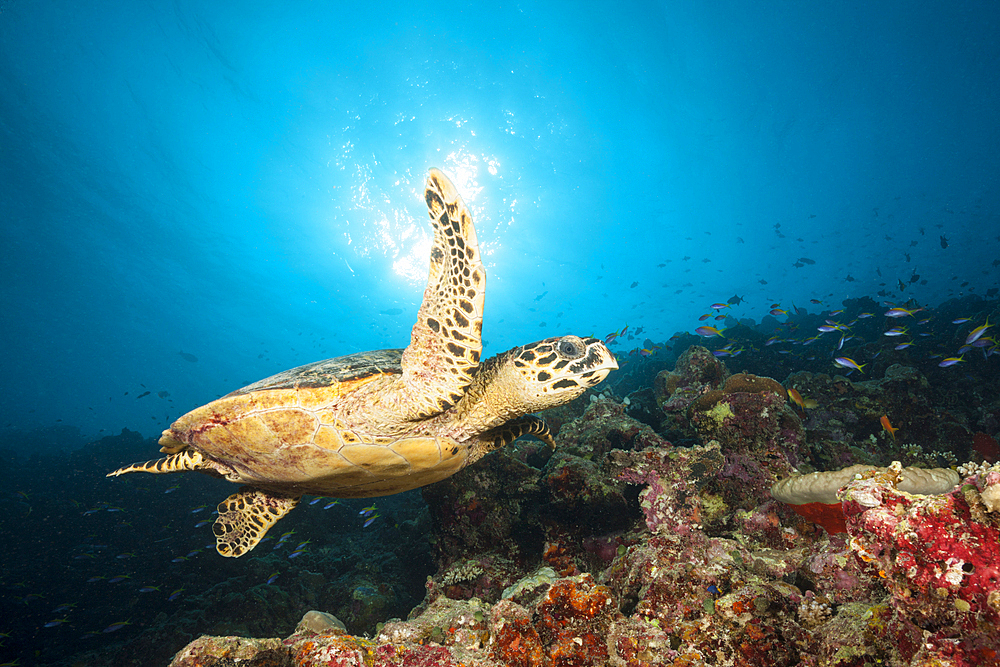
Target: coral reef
(625, 547)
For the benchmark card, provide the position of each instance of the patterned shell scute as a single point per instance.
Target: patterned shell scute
(330, 371)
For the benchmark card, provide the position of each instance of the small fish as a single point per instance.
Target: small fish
(903, 346)
(296, 554)
(961, 320)
(315, 500)
(125, 555)
(93, 579)
(976, 333)
(173, 488)
(331, 504)
(179, 559)
(944, 241)
(806, 260)
(202, 523)
(847, 362)
(901, 312)
(895, 331)
(198, 509)
(707, 332)
(826, 328)
(188, 357)
(778, 311)
(735, 300)
(704, 317)
(149, 589)
(370, 520)
(54, 622)
(796, 397)
(115, 627)
(864, 316)
(175, 594)
(368, 511)
(145, 393)
(888, 427)
(273, 578)
(950, 361)
(120, 578)
(719, 306)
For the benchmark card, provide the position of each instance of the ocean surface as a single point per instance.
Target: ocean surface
(194, 196)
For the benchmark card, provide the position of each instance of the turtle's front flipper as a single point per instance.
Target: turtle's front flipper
(186, 460)
(447, 339)
(501, 436)
(246, 516)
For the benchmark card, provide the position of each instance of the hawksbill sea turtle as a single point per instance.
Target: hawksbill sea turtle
(381, 422)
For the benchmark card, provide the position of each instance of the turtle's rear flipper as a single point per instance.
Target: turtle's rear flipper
(186, 460)
(246, 516)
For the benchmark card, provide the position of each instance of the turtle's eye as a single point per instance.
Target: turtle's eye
(570, 347)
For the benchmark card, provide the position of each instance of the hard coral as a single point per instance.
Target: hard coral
(753, 384)
(697, 370)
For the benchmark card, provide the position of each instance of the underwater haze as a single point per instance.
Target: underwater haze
(196, 196)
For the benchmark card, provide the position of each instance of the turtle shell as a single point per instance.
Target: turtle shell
(296, 432)
(331, 371)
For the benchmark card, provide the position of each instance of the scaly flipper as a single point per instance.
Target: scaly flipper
(246, 516)
(502, 436)
(186, 460)
(447, 339)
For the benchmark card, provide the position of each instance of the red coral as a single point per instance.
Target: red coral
(941, 565)
(516, 642)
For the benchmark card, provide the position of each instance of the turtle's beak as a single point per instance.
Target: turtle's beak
(596, 363)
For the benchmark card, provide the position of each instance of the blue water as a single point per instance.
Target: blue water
(241, 184)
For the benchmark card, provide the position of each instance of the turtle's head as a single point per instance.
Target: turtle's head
(538, 376)
(554, 371)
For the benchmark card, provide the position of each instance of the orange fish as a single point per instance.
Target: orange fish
(801, 401)
(796, 397)
(888, 427)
